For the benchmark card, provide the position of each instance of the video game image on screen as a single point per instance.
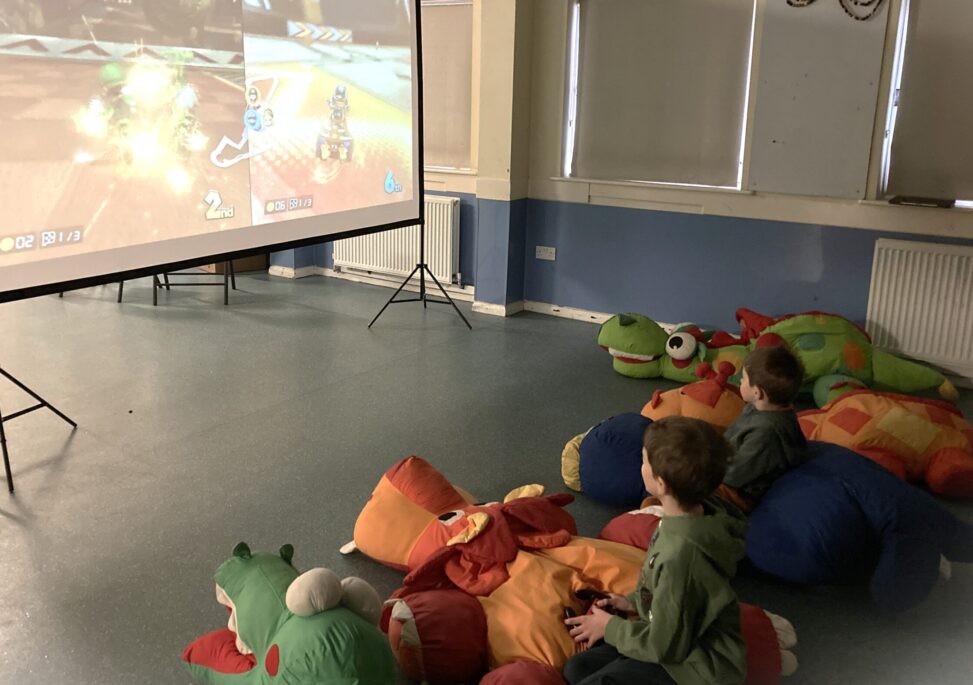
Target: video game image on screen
(329, 106)
(136, 122)
(109, 110)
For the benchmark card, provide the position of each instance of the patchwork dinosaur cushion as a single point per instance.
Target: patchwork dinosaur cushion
(917, 439)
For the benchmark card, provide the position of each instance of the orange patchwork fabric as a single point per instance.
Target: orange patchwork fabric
(922, 440)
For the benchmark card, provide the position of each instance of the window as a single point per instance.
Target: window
(447, 66)
(660, 90)
(928, 146)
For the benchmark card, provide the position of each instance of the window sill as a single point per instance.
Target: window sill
(649, 185)
(450, 180)
(744, 204)
(449, 171)
(885, 203)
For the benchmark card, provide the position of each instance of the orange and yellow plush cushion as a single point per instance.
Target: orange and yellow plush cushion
(408, 498)
(525, 615)
(918, 439)
(713, 402)
(519, 559)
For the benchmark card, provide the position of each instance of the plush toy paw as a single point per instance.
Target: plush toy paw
(359, 596)
(786, 635)
(313, 591)
(438, 637)
(320, 589)
(788, 663)
(571, 462)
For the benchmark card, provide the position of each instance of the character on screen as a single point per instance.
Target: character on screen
(145, 118)
(337, 141)
(338, 102)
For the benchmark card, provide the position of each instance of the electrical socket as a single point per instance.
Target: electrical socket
(546, 253)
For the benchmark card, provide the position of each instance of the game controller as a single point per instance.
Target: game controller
(587, 594)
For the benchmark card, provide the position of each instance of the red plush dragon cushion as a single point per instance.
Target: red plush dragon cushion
(488, 583)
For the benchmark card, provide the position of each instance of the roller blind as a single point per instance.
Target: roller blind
(447, 68)
(932, 149)
(661, 90)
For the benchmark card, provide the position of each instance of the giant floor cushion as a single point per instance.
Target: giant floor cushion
(291, 628)
(611, 459)
(511, 566)
(842, 519)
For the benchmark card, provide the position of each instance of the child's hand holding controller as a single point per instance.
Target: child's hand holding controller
(615, 604)
(606, 601)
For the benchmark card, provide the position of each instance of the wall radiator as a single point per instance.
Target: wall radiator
(396, 252)
(920, 303)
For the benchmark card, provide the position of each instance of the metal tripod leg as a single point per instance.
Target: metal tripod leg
(446, 295)
(42, 403)
(391, 299)
(6, 456)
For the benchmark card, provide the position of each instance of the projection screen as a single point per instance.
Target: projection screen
(142, 134)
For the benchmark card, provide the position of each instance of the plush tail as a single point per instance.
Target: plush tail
(948, 391)
(908, 376)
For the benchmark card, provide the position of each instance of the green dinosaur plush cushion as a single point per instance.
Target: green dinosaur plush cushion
(265, 643)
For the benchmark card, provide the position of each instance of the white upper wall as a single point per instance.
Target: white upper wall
(520, 83)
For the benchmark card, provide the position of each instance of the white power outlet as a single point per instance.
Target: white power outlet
(547, 253)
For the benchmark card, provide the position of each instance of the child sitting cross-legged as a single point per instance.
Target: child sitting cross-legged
(686, 619)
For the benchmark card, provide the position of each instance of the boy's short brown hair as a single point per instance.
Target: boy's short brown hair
(777, 371)
(689, 455)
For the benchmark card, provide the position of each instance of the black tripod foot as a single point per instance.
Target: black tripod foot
(422, 270)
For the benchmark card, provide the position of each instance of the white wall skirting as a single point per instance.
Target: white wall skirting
(508, 309)
(290, 272)
(581, 314)
(464, 294)
(566, 312)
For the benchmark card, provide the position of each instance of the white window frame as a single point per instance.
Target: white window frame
(474, 93)
(571, 112)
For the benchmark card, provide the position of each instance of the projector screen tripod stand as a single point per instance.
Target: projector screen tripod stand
(42, 404)
(422, 269)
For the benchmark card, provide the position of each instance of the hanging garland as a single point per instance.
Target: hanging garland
(859, 10)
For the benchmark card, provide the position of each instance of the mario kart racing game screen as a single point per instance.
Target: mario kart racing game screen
(135, 123)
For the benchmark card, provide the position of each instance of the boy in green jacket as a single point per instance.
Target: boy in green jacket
(687, 628)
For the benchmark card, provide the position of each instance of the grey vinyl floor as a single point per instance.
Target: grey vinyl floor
(270, 421)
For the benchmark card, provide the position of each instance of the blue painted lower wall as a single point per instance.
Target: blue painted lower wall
(672, 267)
(500, 249)
(686, 267)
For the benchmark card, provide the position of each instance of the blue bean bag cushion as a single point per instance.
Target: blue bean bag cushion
(840, 518)
(611, 460)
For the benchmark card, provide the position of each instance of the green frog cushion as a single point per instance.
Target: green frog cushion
(290, 628)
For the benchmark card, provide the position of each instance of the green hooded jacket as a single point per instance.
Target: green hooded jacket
(689, 618)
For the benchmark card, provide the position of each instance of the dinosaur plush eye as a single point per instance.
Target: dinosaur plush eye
(451, 517)
(681, 345)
